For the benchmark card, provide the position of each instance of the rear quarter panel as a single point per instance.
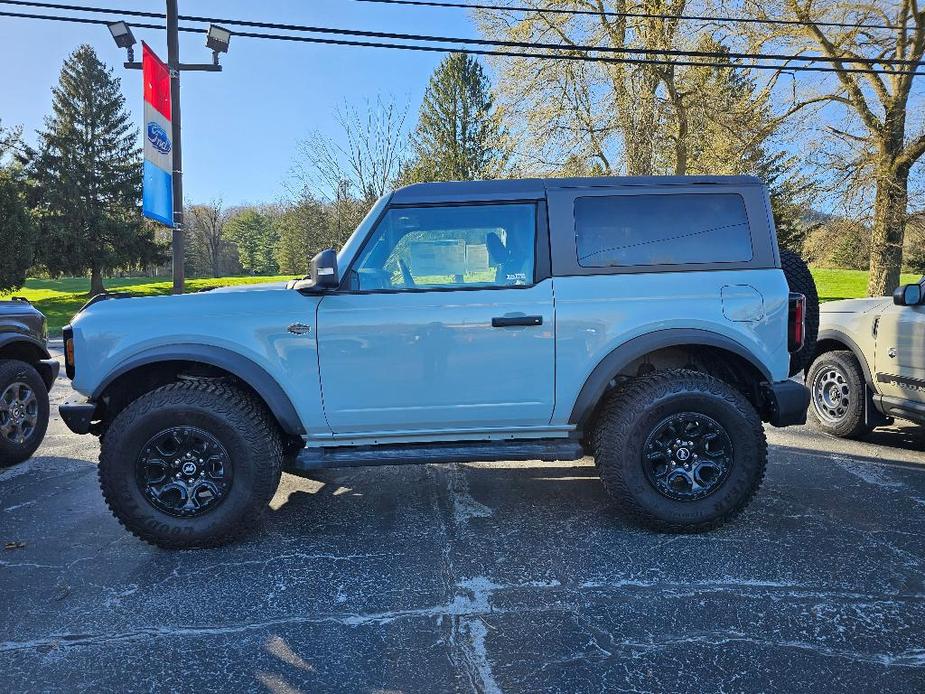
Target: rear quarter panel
(597, 314)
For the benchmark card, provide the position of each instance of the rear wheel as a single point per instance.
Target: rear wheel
(838, 389)
(680, 450)
(192, 464)
(23, 411)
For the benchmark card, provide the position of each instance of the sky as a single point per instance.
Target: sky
(241, 127)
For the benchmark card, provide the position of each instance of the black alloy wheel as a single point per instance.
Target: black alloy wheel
(184, 471)
(687, 456)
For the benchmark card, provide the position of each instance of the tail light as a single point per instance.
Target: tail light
(68, 335)
(796, 330)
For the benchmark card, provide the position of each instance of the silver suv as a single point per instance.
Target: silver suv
(870, 362)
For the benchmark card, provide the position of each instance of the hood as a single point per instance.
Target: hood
(855, 305)
(260, 286)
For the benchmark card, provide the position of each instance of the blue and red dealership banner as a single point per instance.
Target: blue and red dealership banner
(157, 188)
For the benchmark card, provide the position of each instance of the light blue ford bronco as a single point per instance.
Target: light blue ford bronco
(647, 322)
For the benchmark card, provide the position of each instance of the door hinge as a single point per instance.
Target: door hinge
(876, 326)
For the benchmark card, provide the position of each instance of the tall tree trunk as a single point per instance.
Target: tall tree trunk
(683, 127)
(640, 145)
(886, 239)
(96, 281)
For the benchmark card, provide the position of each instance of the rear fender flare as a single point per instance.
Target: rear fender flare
(597, 382)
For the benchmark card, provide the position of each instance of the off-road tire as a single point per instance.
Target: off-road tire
(799, 279)
(852, 424)
(628, 418)
(236, 419)
(15, 371)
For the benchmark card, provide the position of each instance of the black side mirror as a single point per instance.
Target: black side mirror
(908, 295)
(324, 269)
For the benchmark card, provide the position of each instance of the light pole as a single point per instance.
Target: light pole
(217, 39)
(173, 62)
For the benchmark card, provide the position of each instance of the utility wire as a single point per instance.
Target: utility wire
(725, 56)
(640, 15)
(80, 20)
(573, 56)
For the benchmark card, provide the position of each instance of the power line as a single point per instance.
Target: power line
(454, 49)
(723, 56)
(481, 42)
(78, 20)
(639, 15)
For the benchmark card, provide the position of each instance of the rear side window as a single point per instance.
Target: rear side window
(632, 230)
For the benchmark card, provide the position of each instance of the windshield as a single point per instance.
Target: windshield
(350, 248)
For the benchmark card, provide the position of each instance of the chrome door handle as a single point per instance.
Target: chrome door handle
(892, 352)
(300, 329)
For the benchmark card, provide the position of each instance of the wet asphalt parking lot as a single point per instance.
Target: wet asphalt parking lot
(476, 578)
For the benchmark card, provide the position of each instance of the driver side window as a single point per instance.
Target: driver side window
(448, 247)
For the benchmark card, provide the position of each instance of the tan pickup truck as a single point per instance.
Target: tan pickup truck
(870, 362)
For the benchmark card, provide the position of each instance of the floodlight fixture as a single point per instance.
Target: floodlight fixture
(217, 39)
(122, 35)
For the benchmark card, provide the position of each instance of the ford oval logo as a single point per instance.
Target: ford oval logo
(158, 138)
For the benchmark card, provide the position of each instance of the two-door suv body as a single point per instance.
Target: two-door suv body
(644, 321)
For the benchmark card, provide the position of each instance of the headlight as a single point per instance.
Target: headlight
(68, 334)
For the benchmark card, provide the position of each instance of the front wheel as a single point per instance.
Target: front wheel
(837, 388)
(191, 464)
(680, 450)
(23, 411)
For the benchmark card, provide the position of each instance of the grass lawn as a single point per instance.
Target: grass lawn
(60, 299)
(847, 284)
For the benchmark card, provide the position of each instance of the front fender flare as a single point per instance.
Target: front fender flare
(596, 384)
(241, 366)
(11, 338)
(839, 336)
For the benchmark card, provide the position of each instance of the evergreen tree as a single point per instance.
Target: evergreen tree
(17, 231)
(302, 233)
(459, 134)
(256, 237)
(17, 228)
(88, 175)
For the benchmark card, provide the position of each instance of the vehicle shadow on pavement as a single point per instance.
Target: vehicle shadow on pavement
(884, 459)
(371, 495)
(910, 438)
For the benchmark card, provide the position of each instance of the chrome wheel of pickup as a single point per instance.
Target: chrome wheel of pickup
(832, 397)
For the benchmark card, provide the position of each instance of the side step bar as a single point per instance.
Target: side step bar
(417, 454)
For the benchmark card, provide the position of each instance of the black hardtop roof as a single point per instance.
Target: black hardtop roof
(529, 188)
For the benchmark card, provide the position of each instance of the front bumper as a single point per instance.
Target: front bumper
(78, 416)
(48, 370)
(787, 403)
